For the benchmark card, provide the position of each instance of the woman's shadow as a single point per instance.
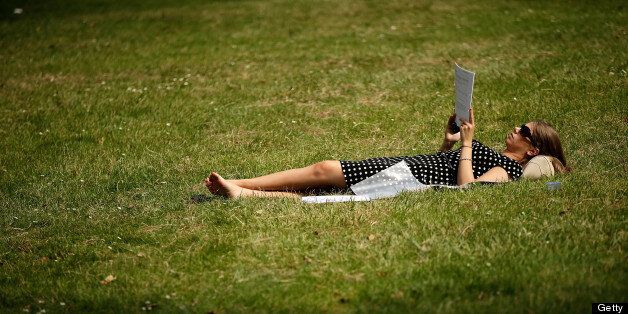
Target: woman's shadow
(202, 198)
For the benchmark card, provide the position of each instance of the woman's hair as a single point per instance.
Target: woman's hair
(548, 144)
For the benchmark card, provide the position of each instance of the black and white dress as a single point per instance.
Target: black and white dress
(439, 168)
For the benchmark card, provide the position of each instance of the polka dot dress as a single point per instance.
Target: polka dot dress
(439, 168)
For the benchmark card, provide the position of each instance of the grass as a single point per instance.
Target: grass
(111, 113)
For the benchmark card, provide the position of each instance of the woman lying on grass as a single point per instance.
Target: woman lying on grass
(472, 162)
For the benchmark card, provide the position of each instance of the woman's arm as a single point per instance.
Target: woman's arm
(465, 166)
(495, 174)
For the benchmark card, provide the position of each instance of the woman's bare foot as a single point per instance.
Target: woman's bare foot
(217, 185)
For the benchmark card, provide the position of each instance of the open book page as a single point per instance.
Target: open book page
(463, 83)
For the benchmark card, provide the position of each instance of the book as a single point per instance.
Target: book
(463, 87)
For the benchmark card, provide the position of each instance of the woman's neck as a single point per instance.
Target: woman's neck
(518, 157)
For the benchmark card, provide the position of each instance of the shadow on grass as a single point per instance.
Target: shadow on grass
(202, 198)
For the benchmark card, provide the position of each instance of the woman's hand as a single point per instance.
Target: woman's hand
(450, 136)
(466, 129)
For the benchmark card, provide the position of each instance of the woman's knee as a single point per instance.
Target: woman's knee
(326, 169)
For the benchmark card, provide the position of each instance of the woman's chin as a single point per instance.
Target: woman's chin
(508, 143)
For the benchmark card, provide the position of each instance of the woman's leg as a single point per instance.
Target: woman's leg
(219, 186)
(326, 173)
(322, 174)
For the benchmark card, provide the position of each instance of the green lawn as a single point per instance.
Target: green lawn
(111, 114)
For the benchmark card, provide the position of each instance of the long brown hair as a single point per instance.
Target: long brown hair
(548, 144)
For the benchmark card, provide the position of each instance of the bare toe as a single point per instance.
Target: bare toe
(210, 185)
(220, 186)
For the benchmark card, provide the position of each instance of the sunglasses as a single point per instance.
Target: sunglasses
(525, 131)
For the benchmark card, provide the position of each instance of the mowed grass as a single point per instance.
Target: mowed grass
(111, 114)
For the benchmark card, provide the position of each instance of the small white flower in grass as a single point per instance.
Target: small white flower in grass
(186, 83)
(41, 301)
(119, 238)
(180, 79)
(119, 207)
(109, 247)
(18, 11)
(62, 303)
(514, 98)
(168, 124)
(294, 121)
(168, 296)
